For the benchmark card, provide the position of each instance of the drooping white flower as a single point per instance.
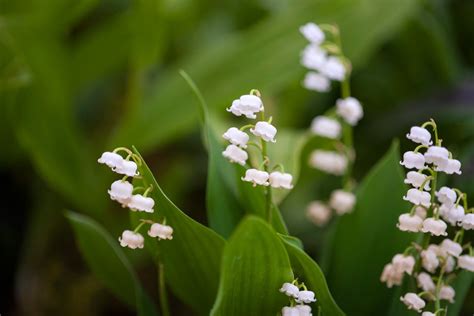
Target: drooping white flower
(128, 168)
(447, 293)
(306, 297)
(450, 167)
(290, 289)
(317, 82)
(436, 227)
(161, 231)
(452, 214)
(328, 161)
(141, 203)
(428, 314)
(257, 177)
(466, 262)
(318, 212)
(342, 201)
(446, 196)
(391, 275)
(467, 221)
(412, 160)
(334, 69)
(437, 155)
(247, 105)
(312, 33)
(131, 240)
(403, 263)
(418, 197)
(121, 191)
(429, 260)
(417, 179)
(290, 311)
(449, 264)
(281, 180)
(313, 57)
(265, 130)
(326, 127)
(421, 211)
(420, 135)
(425, 282)
(413, 301)
(440, 252)
(410, 223)
(235, 154)
(113, 160)
(304, 310)
(350, 110)
(451, 247)
(236, 137)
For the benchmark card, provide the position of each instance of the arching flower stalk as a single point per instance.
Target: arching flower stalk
(435, 212)
(324, 58)
(299, 297)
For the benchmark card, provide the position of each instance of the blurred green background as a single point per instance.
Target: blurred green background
(80, 77)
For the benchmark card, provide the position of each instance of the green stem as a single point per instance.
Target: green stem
(268, 189)
(438, 288)
(165, 309)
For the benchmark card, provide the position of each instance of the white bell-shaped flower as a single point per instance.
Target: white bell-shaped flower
(410, 223)
(328, 161)
(446, 196)
(412, 160)
(429, 260)
(451, 214)
(236, 137)
(436, 227)
(404, 264)
(466, 262)
(420, 135)
(326, 127)
(281, 180)
(437, 155)
(440, 252)
(160, 231)
(421, 211)
(305, 297)
(468, 221)
(452, 248)
(290, 289)
(312, 33)
(418, 197)
(425, 282)
(131, 240)
(257, 177)
(391, 275)
(247, 105)
(313, 57)
(128, 168)
(290, 311)
(316, 82)
(318, 212)
(447, 293)
(449, 264)
(141, 203)
(342, 201)
(265, 130)
(450, 167)
(428, 314)
(334, 69)
(113, 160)
(413, 301)
(121, 191)
(304, 310)
(417, 179)
(235, 154)
(350, 110)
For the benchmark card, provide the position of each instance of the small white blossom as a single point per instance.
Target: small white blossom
(429, 260)
(281, 180)
(318, 213)
(437, 155)
(452, 248)
(316, 82)
(304, 310)
(425, 282)
(256, 177)
(413, 301)
(420, 135)
(121, 191)
(468, 221)
(161, 231)
(410, 223)
(334, 69)
(312, 33)
(428, 314)
(421, 211)
(342, 201)
(290, 290)
(235, 154)
(328, 161)
(452, 214)
(247, 105)
(131, 240)
(417, 179)
(440, 252)
(450, 167)
(436, 227)
(391, 275)
(447, 293)
(265, 130)
(466, 262)
(350, 110)
(113, 160)
(446, 196)
(305, 297)
(404, 264)
(141, 203)
(290, 311)
(326, 127)
(236, 137)
(449, 264)
(412, 160)
(128, 168)
(418, 197)
(313, 57)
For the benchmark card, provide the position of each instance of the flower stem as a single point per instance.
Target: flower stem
(268, 189)
(165, 309)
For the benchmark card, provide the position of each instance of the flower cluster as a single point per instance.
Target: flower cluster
(299, 295)
(124, 193)
(433, 265)
(336, 125)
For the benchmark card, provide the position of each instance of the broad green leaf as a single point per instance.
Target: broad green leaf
(254, 266)
(307, 270)
(462, 285)
(365, 240)
(109, 263)
(192, 258)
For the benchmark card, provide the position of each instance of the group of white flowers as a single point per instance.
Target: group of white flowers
(431, 212)
(299, 295)
(249, 105)
(123, 192)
